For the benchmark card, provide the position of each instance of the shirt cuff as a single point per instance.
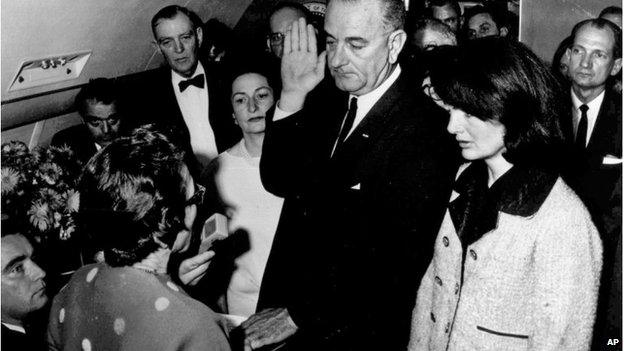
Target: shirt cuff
(281, 114)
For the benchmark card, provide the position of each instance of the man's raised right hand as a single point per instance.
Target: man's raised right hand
(302, 68)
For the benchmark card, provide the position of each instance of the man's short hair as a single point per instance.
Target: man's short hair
(611, 10)
(441, 3)
(394, 12)
(130, 192)
(516, 88)
(497, 16)
(601, 23)
(100, 90)
(170, 12)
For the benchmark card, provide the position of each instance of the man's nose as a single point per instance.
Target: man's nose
(178, 46)
(105, 127)
(337, 58)
(586, 60)
(35, 271)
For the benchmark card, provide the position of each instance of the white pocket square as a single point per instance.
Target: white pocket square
(611, 160)
(356, 186)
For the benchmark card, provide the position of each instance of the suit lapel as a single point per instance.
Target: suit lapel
(372, 126)
(605, 129)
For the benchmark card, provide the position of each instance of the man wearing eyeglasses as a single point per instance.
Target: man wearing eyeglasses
(282, 17)
(98, 105)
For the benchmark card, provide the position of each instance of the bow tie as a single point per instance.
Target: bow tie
(197, 81)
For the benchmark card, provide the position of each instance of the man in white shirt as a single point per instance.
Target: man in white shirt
(365, 172)
(594, 132)
(23, 292)
(185, 99)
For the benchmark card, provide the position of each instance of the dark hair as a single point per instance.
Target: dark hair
(512, 86)
(102, 90)
(611, 10)
(170, 12)
(556, 60)
(441, 3)
(131, 192)
(601, 23)
(497, 16)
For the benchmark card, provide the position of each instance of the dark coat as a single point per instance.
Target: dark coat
(14, 340)
(357, 229)
(156, 103)
(78, 139)
(598, 184)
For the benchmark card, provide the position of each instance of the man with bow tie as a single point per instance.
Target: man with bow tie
(184, 98)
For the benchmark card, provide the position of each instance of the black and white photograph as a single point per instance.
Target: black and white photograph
(311, 175)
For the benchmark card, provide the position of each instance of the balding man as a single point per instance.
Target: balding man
(595, 133)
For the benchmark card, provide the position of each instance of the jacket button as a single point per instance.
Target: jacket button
(432, 317)
(473, 254)
(445, 241)
(456, 288)
(438, 281)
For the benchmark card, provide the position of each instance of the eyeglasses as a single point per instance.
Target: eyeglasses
(198, 197)
(276, 38)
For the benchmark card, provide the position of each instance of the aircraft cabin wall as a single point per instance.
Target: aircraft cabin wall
(118, 37)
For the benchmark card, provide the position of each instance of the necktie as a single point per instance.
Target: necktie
(581, 132)
(348, 122)
(197, 81)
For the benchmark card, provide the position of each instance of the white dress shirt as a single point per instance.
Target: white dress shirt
(364, 102)
(592, 113)
(193, 103)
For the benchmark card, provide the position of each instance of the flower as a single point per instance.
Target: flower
(39, 216)
(10, 180)
(38, 187)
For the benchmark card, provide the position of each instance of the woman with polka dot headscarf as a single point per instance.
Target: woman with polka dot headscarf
(138, 203)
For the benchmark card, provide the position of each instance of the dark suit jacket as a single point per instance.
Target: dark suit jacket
(14, 341)
(598, 185)
(357, 229)
(79, 139)
(588, 175)
(156, 103)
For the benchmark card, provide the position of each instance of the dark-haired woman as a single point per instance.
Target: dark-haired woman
(252, 208)
(517, 260)
(137, 203)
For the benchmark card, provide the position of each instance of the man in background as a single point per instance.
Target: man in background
(184, 99)
(98, 104)
(448, 12)
(594, 131)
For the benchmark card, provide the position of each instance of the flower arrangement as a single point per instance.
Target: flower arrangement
(39, 188)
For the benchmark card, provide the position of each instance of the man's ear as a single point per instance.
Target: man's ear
(617, 66)
(396, 41)
(200, 35)
(503, 31)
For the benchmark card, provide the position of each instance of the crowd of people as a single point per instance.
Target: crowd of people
(385, 188)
